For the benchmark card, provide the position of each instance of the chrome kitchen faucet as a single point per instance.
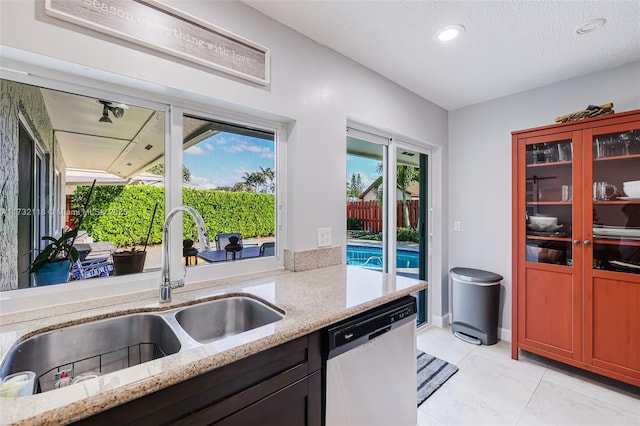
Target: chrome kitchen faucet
(166, 284)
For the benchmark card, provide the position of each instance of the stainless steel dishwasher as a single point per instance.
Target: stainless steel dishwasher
(370, 368)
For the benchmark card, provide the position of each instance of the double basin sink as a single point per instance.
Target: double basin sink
(73, 353)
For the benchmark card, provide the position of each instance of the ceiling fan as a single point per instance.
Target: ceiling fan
(117, 111)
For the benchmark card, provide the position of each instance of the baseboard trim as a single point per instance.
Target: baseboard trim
(445, 321)
(442, 321)
(504, 334)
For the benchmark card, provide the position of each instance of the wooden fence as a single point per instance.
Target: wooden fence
(370, 213)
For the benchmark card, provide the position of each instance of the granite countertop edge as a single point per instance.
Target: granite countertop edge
(304, 314)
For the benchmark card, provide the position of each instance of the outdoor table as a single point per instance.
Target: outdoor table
(221, 255)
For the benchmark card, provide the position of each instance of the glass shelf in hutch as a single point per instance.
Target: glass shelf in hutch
(616, 201)
(549, 205)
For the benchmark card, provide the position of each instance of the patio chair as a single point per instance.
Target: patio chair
(222, 239)
(268, 249)
(188, 252)
(91, 268)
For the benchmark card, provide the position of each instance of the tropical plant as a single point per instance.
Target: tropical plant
(253, 180)
(270, 179)
(262, 181)
(62, 248)
(57, 250)
(354, 224)
(405, 175)
(158, 169)
(404, 234)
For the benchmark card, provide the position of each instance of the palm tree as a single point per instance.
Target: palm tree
(269, 176)
(405, 175)
(250, 180)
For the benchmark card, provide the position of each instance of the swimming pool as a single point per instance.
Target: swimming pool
(371, 257)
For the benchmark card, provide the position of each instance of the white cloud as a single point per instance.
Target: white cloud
(209, 147)
(367, 178)
(269, 155)
(201, 182)
(195, 150)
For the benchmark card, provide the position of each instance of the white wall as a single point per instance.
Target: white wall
(313, 87)
(480, 162)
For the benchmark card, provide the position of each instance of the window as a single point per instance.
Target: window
(229, 177)
(226, 169)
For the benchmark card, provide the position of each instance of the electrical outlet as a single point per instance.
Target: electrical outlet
(457, 226)
(324, 237)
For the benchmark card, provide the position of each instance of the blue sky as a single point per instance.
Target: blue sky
(223, 159)
(365, 166)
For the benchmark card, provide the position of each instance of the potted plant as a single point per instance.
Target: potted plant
(129, 259)
(53, 264)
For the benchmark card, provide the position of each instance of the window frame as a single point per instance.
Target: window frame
(110, 87)
(391, 145)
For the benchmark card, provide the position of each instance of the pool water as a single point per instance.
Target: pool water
(371, 257)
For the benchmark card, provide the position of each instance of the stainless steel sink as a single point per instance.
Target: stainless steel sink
(113, 344)
(102, 346)
(210, 321)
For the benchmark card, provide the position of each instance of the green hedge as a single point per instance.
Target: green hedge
(354, 224)
(404, 234)
(121, 214)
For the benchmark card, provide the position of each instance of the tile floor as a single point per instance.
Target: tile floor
(492, 389)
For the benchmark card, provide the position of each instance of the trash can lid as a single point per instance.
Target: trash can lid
(475, 275)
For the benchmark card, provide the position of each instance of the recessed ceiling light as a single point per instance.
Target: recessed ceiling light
(591, 26)
(449, 32)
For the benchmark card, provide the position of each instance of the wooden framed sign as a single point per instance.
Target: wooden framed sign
(160, 27)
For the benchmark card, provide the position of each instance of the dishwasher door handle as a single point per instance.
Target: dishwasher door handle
(379, 332)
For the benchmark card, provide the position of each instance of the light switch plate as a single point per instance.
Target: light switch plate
(457, 226)
(324, 237)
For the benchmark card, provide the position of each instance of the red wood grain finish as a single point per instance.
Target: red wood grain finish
(549, 313)
(584, 311)
(614, 309)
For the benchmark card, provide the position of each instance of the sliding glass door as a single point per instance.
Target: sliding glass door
(412, 219)
(387, 208)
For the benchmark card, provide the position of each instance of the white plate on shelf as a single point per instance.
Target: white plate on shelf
(622, 264)
(543, 228)
(628, 198)
(616, 231)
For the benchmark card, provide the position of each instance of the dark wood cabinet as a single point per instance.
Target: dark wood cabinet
(279, 386)
(576, 244)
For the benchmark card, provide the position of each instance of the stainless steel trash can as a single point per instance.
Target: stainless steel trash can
(475, 301)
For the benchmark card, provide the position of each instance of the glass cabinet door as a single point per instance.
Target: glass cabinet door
(616, 201)
(549, 202)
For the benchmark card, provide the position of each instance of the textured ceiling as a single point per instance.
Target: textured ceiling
(509, 46)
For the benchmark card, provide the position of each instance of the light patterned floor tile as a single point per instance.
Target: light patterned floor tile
(609, 391)
(425, 419)
(485, 391)
(492, 389)
(441, 343)
(553, 404)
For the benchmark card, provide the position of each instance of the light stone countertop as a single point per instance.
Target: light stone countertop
(311, 300)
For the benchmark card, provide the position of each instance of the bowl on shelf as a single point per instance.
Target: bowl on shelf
(543, 220)
(632, 188)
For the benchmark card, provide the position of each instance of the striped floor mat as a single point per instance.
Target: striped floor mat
(432, 373)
